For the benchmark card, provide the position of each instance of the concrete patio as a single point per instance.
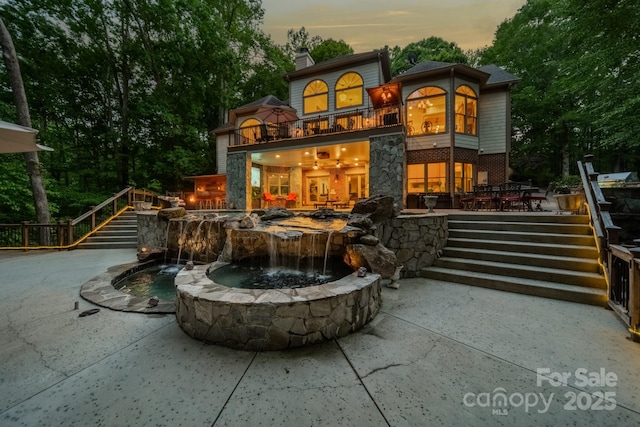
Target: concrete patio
(437, 354)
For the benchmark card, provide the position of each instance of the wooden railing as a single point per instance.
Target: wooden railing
(348, 121)
(68, 234)
(621, 264)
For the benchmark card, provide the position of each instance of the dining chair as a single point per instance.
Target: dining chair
(510, 196)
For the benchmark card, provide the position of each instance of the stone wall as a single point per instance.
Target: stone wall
(417, 240)
(152, 233)
(386, 166)
(238, 180)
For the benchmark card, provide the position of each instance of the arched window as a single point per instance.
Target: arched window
(466, 110)
(250, 131)
(316, 97)
(349, 90)
(427, 111)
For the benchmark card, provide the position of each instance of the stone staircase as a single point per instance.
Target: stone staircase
(548, 255)
(120, 233)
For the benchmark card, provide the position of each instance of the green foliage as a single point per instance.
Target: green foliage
(430, 49)
(330, 49)
(566, 184)
(299, 39)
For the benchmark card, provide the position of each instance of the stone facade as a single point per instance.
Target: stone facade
(255, 320)
(238, 180)
(386, 167)
(417, 240)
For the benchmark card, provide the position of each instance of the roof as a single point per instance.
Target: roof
(498, 76)
(426, 69)
(346, 61)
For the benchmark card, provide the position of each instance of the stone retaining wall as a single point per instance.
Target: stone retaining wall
(417, 240)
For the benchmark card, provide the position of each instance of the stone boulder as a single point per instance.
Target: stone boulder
(275, 212)
(376, 259)
(378, 208)
(171, 213)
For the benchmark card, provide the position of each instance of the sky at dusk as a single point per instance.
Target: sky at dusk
(371, 24)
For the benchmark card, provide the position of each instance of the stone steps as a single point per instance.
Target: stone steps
(120, 233)
(553, 256)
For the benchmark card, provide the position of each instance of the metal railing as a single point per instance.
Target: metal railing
(68, 234)
(348, 121)
(621, 264)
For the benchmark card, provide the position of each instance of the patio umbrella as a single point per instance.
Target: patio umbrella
(269, 113)
(18, 139)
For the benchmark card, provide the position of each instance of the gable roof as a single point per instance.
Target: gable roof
(346, 61)
(429, 69)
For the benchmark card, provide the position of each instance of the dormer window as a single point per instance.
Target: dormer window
(316, 97)
(349, 90)
(466, 110)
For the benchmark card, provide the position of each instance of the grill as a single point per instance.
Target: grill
(620, 179)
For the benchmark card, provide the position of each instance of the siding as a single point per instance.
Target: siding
(222, 142)
(492, 122)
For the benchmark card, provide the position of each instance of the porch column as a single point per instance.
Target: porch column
(387, 166)
(239, 180)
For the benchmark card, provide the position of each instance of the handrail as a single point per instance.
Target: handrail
(63, 234)
(621, 265)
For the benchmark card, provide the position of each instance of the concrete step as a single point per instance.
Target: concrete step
(549, 249)
(113, 238)
(589, 265)
(513, 226)
(568, 277)
(523, 236)
(519, 217)
(108, 245)
(547, 289)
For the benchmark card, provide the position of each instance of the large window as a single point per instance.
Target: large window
(427, 178)
(464, 177)
(278, 184)
(437, 177)
(415, 178)
(427, 111)
(466, 111)
(349, 90)
(316, 97)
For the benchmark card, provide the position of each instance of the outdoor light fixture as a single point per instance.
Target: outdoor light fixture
(315, 165)
(338, 164)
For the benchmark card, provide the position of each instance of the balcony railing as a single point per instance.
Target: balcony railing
(343, 122)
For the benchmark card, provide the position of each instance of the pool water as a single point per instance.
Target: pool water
(153, 281)
(252, 274)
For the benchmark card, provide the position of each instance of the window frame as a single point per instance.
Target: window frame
(468, 117)
(351, 89)
(422, 99)
(311, 91)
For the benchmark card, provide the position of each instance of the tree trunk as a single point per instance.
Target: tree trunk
(20, 98)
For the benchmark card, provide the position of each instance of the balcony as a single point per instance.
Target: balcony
(336, 123)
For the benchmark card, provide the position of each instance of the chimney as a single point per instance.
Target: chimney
(303, 59)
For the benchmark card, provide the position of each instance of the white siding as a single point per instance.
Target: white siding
(370, 74)
(222, 142)
(492, 122)
(425, 142)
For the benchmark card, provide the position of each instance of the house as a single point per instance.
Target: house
(349, 130)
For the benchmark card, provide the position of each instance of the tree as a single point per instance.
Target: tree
(34, 170)
(299, 39)
(430, 49)
(329, 49)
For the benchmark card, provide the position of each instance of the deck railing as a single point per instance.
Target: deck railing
(68, 234)
(621, 264)
(348, 121)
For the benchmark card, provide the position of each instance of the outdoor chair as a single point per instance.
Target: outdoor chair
(268, 198)
(484, 197)
(291, 199)
(510, 196)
